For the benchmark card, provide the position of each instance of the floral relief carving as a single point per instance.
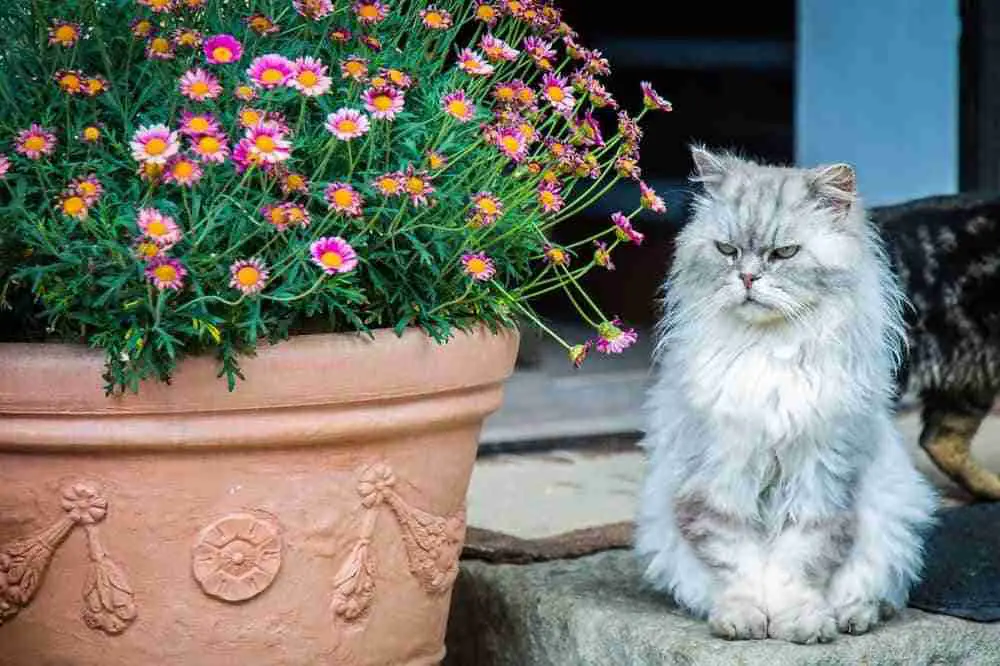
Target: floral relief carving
(433, 544)
(237, 557)
(108, 599)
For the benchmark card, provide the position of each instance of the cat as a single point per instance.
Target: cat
(946, 251)
(779, 500)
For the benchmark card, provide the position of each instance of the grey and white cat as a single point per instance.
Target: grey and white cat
(779, 500)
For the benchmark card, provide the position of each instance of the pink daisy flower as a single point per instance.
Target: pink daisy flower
(35, 142)
(73, 205)
(624, 229)
(650, 199)
(458, 106)
(158, 6)
(372, 42)
(578, 353)
(166, 273)
(497, 50)
(267, 142)
(354, 68)
(142, 27)
(588, 131)
(211, 147)
(418, 186)
(612, 339)
(4, 166)
(383, 103)
(556, 256)
(249, 276)
(276, 215)
(159, 228)
(343, 198)
(478, 266)
(244, 156)
(347, 124)
(652, 100)
(334, 255)
(270, 70)
(262, 24)
(487, 208)
(88, 187)
(396, 77)
(436, 160)
(245, 93)
(435, 18)
(602, 256)
(294, 183)
(540, 51)
(370, 12)
(186, 38)
(159, 48)
(511, 143)
(296, 214)
(472, 63)
(63, 33)
(154, 144)
(222, 49)
(199, 85)
(558, 94)
(340, 35)
(309, 77)
(182, 171)
(196, 124)
(549, 197)
(487, 12)
(390, 184)
(313, 9)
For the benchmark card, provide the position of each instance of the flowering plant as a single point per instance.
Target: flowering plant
(185, 176)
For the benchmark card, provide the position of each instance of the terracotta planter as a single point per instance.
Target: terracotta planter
(314, 516)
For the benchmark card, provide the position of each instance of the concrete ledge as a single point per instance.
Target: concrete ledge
(593, 611)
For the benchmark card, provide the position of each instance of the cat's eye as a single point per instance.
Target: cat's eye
(726, 249)
(786, 252)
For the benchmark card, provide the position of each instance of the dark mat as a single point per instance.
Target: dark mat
(961, 578)
(962, 565)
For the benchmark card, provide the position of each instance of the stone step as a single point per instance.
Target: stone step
(594, 611)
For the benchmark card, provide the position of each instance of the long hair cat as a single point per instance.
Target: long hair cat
(779, 499)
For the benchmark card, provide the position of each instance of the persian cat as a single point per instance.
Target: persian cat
(779, 500)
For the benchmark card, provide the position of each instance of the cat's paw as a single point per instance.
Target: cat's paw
(857, 617)
(737, 619)
(806, 622)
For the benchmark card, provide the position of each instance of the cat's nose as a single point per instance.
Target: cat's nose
(748, 279)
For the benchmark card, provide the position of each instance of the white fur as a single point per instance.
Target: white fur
(796, 401)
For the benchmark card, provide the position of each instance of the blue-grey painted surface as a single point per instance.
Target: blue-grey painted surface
(877, 86)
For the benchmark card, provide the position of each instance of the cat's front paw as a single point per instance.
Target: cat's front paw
(857, 617)
(737, 619)
(806, 622)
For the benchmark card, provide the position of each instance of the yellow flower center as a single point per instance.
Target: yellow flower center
(528, 131)
(331, 259)
(265, 144)
(65, 33)
(222, 54)
(260, 23)
(485, 13)
(160, 45)
(73, 205)
(157, 229)
(511, 144)
(476, 266)
(414, 185)
(278, 216)
(158, 4)
(526, 96)
(343, 198)
(547, 197)
(471, 63)
(487, 206)
(188, 39)
(88, 188)
(183, 169)
(295, 182)
(458, 108)
(354, 68)
(199, 88)
(379, 82)
(436, 161)
(70, 82)
(347, 126)
(165, 273)
(247, 276)
(199, 124)
(557, 256)
(369, 12)
(245, 92)
(382, 102)
(505, 93)
(396, 77)
(156, 146)
(94, 86)
(389, 185)
(34, 143)
(272, 75)
(434, 19)
(148, 249)
(308, 78)
(295, 215)
(555, 93)
(249, 118)
(209, 144)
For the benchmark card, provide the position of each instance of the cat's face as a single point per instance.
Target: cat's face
(767, 244)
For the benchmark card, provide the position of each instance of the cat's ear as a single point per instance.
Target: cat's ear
(836, 186)
(709, 168)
